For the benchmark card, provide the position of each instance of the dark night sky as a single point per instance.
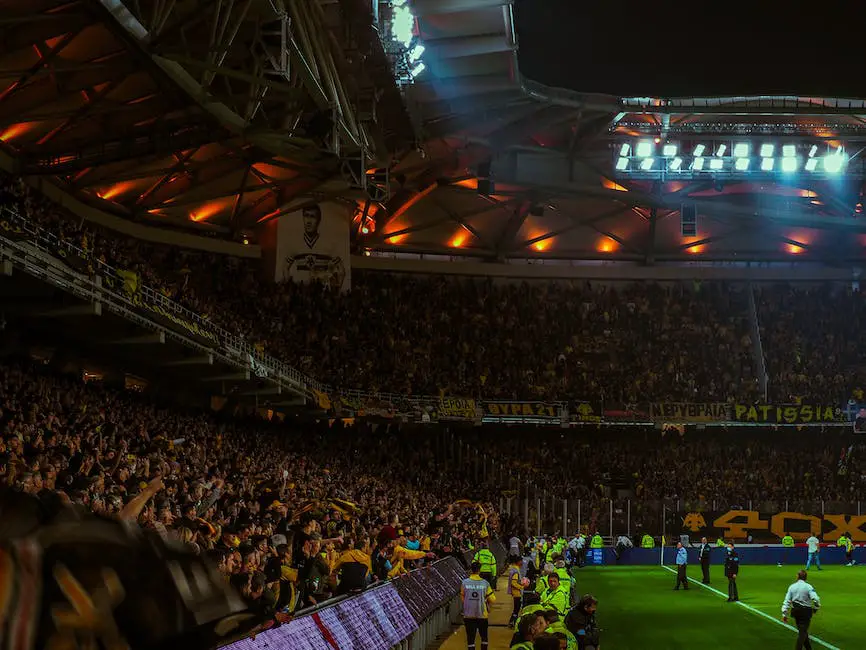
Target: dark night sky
(760, 47)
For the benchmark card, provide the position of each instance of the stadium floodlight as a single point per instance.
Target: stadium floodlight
(698, 164)
(813, 151)
(767, 164)
(646, 164)
(699, 150)
(416, 52)
(742, 164)
(721, 150)
(402, 24)
(716, 164)
(622, 164)
(789, 151)
(676, 164)
(624, 149)
(644, 149)
(811, 164)
(418, 69)
(834, 162)
(741, 150)
(669, 150)
(767, 150)
(789, 164)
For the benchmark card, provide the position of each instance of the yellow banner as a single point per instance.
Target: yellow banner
(522, 409)
(456, 407)
(685, 412)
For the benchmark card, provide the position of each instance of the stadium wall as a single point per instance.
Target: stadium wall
(772, 554)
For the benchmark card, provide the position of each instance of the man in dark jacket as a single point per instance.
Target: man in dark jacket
(580, 621)
(732, 568)
(704, 556)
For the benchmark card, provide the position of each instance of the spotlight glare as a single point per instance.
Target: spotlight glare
(741, 150)
(742, 164)
(644, 149)
(812, 163)
(789, 151)
(789, 164)
(646, 164)
(622, 164)
(418, 69)
(416, 52)
(676, 164)
(721, 150)
(698, 164)
(767, 164)
(767, 150)
(624, 149)
(813, 151)
(716, 164)
(669, 150)
(833, 163)
(699, 150)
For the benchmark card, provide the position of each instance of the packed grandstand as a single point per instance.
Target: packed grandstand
(245, 403)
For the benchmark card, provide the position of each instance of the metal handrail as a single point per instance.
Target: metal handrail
(48, 242)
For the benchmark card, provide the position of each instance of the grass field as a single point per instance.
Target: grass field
(638, 608)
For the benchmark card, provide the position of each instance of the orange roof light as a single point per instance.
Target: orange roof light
(395, 239)
(606, 245)
(543, 245)
(459, 239)
(17, 130)
(795, 249)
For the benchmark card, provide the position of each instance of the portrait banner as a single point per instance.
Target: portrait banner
(313, 245)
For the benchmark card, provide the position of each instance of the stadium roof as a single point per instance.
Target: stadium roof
(554, 191)
(196, 113)
(221, 114)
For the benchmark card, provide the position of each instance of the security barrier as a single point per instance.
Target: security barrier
(406, 613)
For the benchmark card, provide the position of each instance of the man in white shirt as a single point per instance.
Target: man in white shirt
(814, 546)
(802, 601)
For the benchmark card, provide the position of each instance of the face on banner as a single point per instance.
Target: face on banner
(313, 245)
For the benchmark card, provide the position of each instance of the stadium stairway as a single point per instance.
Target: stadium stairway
(500, 632)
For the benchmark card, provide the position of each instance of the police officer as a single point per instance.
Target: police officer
(704, 556)
(732, 569)
(682, 565)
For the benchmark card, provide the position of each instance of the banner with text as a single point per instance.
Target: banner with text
(313, 245)
(738, 524)
(685, 412)
(456, 408)
(787, 413)
(586, 412)
(528, 410)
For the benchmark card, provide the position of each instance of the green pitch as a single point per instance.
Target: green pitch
(638, 608)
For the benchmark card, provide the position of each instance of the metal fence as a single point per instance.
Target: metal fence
(632, 517)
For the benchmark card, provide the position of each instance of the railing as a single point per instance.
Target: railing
(235, 346)
(760, 517)
(410, 612)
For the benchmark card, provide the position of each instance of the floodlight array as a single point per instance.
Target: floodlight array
(647, 156)
(402, 45)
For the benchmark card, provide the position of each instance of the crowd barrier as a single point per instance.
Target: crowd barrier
(749, 554)
(406, 613)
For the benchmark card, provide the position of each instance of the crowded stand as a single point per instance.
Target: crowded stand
(320, 512)
(430, 336)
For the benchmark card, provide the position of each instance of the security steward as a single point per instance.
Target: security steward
(556, 596)
(485, 558)
(596, 542)
(682, 566)
(704, 556)
(802, 601)
(476, 596)
(647, 541)
(732, 569)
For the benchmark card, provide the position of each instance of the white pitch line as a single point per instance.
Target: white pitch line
(757, 611)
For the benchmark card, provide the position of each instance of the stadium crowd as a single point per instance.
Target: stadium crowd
(431, 335)
(280, 513)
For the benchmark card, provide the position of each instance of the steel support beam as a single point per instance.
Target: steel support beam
(466, 46)
(430, 7)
